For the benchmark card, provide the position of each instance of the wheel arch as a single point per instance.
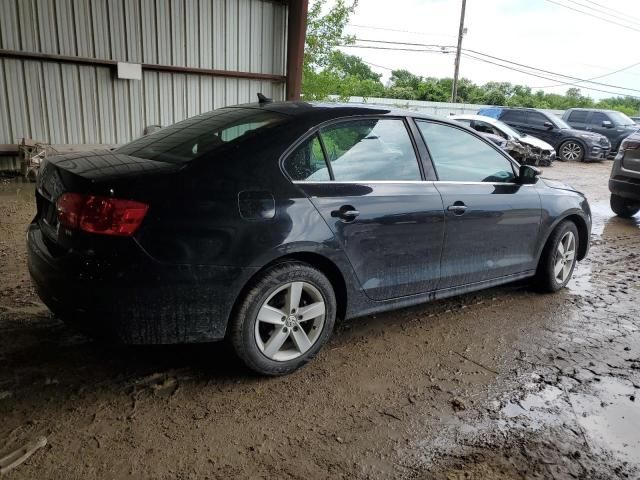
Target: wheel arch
(583, 233)
(325, 265)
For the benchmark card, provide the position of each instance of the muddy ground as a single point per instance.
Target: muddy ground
(502, 384)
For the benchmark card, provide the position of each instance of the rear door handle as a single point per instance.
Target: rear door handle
(346, 213)
(458, 208)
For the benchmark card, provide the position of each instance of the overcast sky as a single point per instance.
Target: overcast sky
(538, 33)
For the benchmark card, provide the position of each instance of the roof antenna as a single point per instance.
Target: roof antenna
(263, 99)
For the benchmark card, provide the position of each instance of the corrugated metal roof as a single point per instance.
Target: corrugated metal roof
(63, 103)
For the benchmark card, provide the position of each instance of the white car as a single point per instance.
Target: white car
(524, 148)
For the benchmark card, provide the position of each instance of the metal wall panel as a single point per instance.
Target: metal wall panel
(62, 103)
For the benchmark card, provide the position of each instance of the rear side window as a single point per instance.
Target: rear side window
(204, 134)
(578, 116)
(356, 151)
(459, 156)
(518, 116)
(307, 163)
(375, 149)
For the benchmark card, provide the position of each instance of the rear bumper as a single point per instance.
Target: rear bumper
(625, 189)
(138, 301)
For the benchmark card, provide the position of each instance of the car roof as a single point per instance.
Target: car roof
(330, 110)
(480, 118)
(591, 109)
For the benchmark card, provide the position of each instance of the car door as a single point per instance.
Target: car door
(543, 127)
(516, 119)
(594, 124)
(578, 119)
(373, 195)
(491, 222)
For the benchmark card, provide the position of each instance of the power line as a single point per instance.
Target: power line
(594, 16)
(613, 10)
(550, 72)
(443, 47)
(540, 76)
(600, 11)
(375, 47)
(595, 78)
(371, 27)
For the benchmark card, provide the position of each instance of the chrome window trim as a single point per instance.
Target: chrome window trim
(329, 182)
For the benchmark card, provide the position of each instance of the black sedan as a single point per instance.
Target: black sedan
(264, 223)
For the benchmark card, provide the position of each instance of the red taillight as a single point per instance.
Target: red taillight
(105, 215)
(629, 145)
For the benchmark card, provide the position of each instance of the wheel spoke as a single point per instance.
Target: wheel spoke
(566, 271)
(557, 269)
(311, 311)
(269, 314)
(278, 337)
(293, 296)
(301, 339)
(561, 248)
(569, 256)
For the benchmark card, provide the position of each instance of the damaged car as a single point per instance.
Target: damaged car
(524, 148)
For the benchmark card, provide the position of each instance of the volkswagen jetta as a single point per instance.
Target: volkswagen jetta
(264, 223)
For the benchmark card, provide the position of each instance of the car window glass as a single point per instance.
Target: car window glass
(375, 149)
(307, 162)
(459, 156)
(578, 116)
(518, 116)
(597, 118)
(537, 119)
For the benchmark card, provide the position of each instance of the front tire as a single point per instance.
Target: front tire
(571, 151)
(559, 258)
(622, 207)
(284, 319)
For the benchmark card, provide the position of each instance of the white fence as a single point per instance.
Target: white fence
(443, 109)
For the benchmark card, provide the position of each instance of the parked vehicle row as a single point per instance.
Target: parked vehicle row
(527, 150)
(616, 126)
(263, 223)
(570, 144)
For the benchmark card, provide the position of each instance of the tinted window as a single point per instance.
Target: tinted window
(519, 116)
(578, 116)
(377, 149)
(307, 162)
(597, 118)
(459, 156)
(537, 119)
(192, 138)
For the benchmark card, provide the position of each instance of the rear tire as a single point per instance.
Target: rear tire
(559, 258)
(622, 207)
(571, 151)
(284, 319)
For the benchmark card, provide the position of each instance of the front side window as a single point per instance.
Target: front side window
(597, 118)
(371, 149)
(458, 156)
(537, 119)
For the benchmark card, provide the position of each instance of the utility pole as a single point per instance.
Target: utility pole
(454, 90)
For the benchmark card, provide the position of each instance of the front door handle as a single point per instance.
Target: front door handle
(458, 208)
(346, 213)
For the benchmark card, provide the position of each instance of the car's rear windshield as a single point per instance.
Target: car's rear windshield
(197, 136)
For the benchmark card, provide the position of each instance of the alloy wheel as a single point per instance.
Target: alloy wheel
(571, 151)
(290, 321)
(565, 258)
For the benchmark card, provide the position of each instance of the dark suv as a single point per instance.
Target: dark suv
(571, 144)
(624, 183)
(616, 126)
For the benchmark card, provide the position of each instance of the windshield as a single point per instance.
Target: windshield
(620, 119)
(560, 123)
(192, 138)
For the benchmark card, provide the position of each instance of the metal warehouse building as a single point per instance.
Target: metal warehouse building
(97, 72)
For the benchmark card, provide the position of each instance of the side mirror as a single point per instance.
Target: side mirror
(607, 124)
(528, 175)
(548, 125)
